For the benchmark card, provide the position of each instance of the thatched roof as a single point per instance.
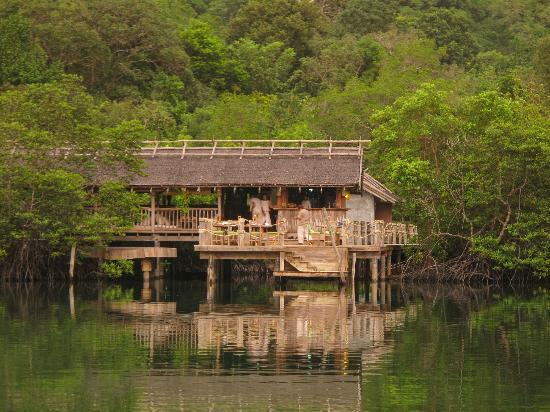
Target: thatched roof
(285, 167)
(374, 187)
(266, 167)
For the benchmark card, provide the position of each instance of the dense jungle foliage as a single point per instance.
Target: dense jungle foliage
(453, 93)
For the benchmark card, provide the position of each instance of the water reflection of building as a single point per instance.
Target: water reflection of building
(342, 335)
(296, 322)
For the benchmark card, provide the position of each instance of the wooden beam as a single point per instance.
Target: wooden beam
(297, 293)
(243, 154)
(323, 275)
(187, 237)
(240, 255)
(231, 141)
(123, 253)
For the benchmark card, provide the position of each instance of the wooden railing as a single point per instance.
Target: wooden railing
(378, 232)
(173, 219)
(349, 233)
(254, 147)
(400, 233)
(317, 217)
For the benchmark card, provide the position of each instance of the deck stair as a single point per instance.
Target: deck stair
(317, 259)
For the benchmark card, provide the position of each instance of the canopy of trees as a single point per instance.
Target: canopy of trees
(453, 94)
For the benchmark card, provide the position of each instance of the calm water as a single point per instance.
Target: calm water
(253, 347)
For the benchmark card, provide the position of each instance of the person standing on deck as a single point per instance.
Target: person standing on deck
(302, 220)
(266, 207)
(306, 203)
(256, 210)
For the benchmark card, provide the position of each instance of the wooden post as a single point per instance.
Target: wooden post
(374, 269)
(211, 280)
(240, 231)
(388, 296)
(388, 265)
(72, 261)
(383, 293)
(331, 230)
(211, 270)
(378, 232)
(219, 193)
(202, 231)
(339, 197)
(282, 261)
(153, 211)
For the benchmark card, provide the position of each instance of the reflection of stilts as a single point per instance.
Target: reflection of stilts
(146, 268)
(71, 300)
(159, 286)
(212, 280)
(373, 297)
(385, 295)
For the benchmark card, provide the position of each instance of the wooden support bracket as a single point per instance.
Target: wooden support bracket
(213, 149)
(183, 150)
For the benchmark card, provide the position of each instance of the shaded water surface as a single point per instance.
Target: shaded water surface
(179, 345)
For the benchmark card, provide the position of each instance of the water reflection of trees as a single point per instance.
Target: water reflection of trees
(471, 348)
(46, 354)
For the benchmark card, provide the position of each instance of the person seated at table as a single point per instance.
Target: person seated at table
(302, 221)
(306, 203)
(266, 208)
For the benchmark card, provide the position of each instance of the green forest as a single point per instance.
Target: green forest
(453, 94)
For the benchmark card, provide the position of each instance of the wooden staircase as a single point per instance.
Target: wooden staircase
(310, 261)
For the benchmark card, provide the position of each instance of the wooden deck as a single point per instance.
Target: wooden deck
(324, 256)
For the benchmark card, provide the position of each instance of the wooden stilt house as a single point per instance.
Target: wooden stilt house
(227, 174)
(201, 191)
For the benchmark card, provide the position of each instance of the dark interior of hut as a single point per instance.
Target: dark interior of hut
(235, 201)
(318, 197)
